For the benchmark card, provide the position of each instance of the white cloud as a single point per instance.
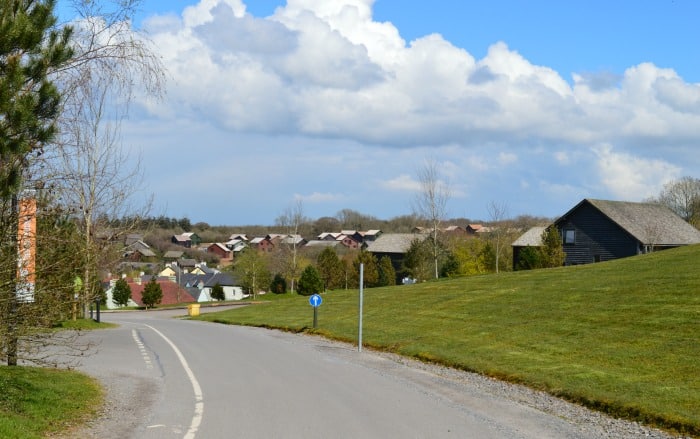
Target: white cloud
(321, 85)
(633, 178)
(318, 197)
(403, 183)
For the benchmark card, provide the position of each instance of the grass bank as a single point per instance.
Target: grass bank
(37, 402)
(620, 337)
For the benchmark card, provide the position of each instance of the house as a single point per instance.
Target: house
(600, 230)
(221, 250)
(350, 241)
(395, 246)
(371, 235)
(173, 294)
(138, 251)
(173, 254)
(262, 243)
(531, 238)
(455, 230)
(186, 240)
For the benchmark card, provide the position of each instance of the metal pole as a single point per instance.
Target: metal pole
(315, 317)
(359, 330)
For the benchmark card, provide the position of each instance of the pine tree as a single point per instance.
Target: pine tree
(152, 294)
(552, 251)
(121, 293)
(387, 274)
(30, 49)
(330, 268)
(310, 282)
(217, 292)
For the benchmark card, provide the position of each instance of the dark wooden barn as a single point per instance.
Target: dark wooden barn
(599, 230)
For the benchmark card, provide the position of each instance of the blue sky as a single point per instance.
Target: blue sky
(534, 104)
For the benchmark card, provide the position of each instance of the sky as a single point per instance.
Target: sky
(532, 105)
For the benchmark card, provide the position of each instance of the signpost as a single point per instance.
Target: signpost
(315, 301)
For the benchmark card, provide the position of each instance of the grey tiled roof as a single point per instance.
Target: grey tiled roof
(650, 223)
(394, 242)
(531, 238)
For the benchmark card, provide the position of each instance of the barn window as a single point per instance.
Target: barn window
(569, 236)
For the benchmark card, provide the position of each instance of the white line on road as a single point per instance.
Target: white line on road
(199, 400)
(142, 349)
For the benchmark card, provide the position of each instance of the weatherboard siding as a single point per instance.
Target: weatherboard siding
(597, 238)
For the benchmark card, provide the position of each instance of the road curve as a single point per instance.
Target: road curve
(173, 378)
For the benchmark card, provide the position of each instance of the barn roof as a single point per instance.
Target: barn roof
(393, 242)
(531, 238)
(649, 223)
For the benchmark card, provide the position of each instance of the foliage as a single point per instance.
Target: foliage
(278, 284)
(217, 292)
(309, 282)
(251, 269)
(370, 274)
(450, 267)
(152, 294)
(418, 260)
(387, 274)
(121, 293)
(618, 336)
(552, 252)
(31, 49)
(330, 268)
(469, 255)
(529, 258)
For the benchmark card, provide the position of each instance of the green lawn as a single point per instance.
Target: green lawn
(36, 402)
(621, 336)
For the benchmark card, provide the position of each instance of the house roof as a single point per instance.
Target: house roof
(649, 223)
(173, 254)
(170, 292)
(322, 243)
(393, 242)
(531, 238)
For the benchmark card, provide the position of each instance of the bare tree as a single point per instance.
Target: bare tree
(95, 178)
(683, 197)
(497, 213)
(291, 220)
(430, 203)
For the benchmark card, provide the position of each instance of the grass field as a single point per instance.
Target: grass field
(35, 402)
(620, 337)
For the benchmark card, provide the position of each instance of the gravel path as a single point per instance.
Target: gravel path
(129, 399)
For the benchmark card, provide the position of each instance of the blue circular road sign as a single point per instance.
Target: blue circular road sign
(315, 300)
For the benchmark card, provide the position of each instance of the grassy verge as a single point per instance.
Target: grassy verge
(37, 402)
(620, 337)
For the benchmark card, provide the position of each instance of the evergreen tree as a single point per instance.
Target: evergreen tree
(310, 282)
(418, 262)
(217, 292)
(529, 258)
(278, 284)
(330, 268)
(30, 49)
(121, 293)
(387, 274)
(370, 272)
(552, 251)
(152, 294)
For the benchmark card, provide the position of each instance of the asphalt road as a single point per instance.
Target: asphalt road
(173, 378)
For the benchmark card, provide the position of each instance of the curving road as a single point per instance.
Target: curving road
(173, 378)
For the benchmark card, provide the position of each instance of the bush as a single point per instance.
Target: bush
(310, 282)
(217, 292)
(278, 285)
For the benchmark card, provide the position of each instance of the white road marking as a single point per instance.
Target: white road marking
(199, 400)
(142, 349)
